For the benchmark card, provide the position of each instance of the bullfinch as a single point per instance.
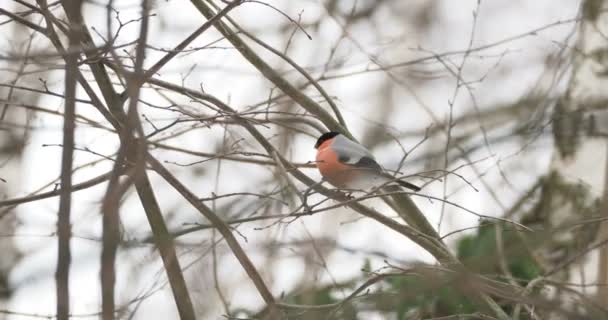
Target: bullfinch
(347, 164)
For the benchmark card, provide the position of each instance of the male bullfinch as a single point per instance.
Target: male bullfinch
(347, 164)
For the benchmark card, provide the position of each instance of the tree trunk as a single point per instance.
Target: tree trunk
(580, 166)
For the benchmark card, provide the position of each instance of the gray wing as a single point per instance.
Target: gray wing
(368, 163)
(354, 154)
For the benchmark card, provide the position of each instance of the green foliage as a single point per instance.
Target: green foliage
(425, 296)
(556, 215)
(321, 296)
(444, 294)
(481, 255)
(434, 293)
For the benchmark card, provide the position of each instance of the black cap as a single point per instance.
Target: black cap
(324, 137)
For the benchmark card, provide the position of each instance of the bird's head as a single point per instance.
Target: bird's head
(324, 137)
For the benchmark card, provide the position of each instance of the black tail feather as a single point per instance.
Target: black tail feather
(408, 185)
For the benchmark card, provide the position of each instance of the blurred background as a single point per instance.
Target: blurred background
(494, 107)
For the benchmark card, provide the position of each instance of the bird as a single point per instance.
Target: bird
(347, 164)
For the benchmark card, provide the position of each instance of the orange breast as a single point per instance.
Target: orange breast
(331, 169)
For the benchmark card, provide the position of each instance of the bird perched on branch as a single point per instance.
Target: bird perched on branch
(347, 164)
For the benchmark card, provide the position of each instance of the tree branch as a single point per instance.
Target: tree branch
(274, 77)
(224, 229)
(64, 227)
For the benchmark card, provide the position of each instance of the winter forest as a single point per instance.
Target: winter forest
(158, 161)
